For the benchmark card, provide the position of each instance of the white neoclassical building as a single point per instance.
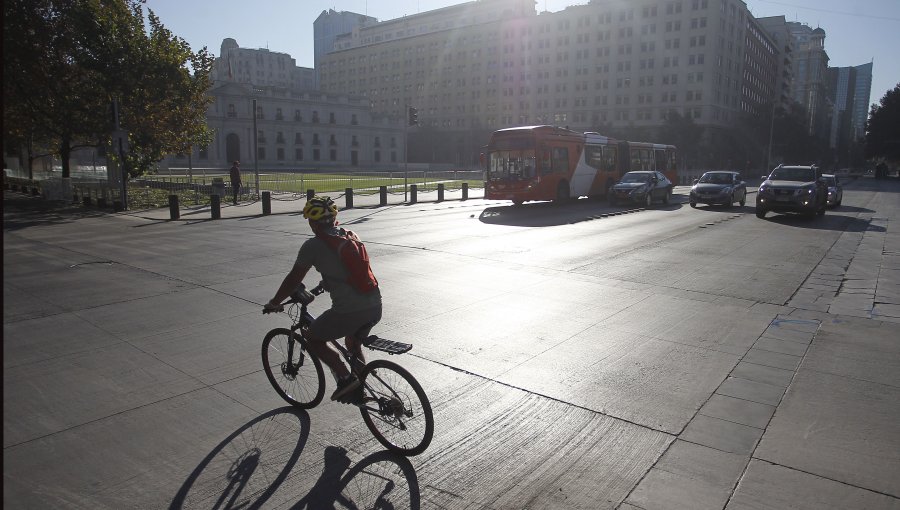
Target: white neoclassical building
(293, 126)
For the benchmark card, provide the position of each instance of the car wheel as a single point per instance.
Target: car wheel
(821, 210)
(744, 200)
(694, 205)
(648, 201)
(732, 201)
(667, 197)
(760, 213)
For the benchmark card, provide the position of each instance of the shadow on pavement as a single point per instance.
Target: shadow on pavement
(248, 466)
(381, 480)
(831, 221)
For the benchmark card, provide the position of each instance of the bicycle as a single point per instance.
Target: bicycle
(393, 404)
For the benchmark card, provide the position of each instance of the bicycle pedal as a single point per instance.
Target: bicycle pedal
(384, 345)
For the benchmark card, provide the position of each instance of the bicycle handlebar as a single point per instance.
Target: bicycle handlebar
(300, 295)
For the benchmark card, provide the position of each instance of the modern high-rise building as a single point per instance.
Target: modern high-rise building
(851, 87)
(490, 64)
(777, 28)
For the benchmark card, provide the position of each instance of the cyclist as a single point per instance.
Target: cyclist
(352, 314)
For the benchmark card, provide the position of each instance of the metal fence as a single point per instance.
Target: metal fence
(195, 187)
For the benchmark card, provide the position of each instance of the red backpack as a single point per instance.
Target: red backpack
(355, 258)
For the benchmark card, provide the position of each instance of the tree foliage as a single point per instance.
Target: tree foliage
(66, 61)
(883, 127)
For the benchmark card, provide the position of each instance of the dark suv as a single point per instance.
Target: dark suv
(797, 189)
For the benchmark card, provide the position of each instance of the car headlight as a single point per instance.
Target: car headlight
(809, 190)
(725, 191)
(763, 188)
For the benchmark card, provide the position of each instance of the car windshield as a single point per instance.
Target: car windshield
(716, 178)
(635, 177)
(793, 174)
(830, 181)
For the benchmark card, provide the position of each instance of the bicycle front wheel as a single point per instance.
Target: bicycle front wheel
(295, 374)
(395, 408)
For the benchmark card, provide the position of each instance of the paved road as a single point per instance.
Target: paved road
(574, 360)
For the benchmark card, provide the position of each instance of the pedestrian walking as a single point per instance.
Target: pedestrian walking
(235, 180)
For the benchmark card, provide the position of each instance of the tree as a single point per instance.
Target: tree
(883, 127)
(66, 61)
(682, 132)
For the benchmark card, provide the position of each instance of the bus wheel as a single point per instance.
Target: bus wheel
(562, 191)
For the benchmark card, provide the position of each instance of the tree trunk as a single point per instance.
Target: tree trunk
(65, 152)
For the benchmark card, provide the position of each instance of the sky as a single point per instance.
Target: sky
(857, 32)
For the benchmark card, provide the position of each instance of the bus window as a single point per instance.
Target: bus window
(661, 163)
(545, 162)
(647, 162)
(512, 165)
(672, 165)
(610, 156)
(635, 159)
(560, 159)
(593, 156)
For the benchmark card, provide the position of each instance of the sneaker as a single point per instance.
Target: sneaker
(346, 390)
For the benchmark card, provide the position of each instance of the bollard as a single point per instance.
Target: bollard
(35, 192)
(413, 192)
(465, 191)
(86, 201)
(267, 203)
(117, 206)
(440, 192)
(382, 191)
(101, 202)
(174, 212)
(215, 206)
(348, 194)
(310, 193)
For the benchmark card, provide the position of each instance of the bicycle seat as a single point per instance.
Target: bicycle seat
(384, 345)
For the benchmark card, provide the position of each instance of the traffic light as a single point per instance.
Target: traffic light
(413, 116)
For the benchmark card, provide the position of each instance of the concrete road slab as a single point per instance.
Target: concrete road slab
(723, 435)
(165, 313)
(744, 412)
(769, 486)
(753, 391)
(772, 359)
(56, 394)
(57, 336)
(655, 383)
(690, 477)
(763, 374)
(838, 428)
(19, 304)
(857, 348)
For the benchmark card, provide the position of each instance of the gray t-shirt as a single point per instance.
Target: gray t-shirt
(344, 298)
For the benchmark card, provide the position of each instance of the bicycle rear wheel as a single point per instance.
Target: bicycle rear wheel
(294, 373)
(395, 408)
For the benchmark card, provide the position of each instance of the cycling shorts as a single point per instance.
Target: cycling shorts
(333, 325)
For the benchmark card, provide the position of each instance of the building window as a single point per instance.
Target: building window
(298, 154)
(331, 119)
(316, 139)
(377, 156)
(259, 113)
(297, 116)
(279, 137)
(315, 117)
(377, 141)
(393, 143)
(316, 155)
(278, 114)
(298, 139)
(279, 153)
(353, 120)
(231, 112)
(260, 136)
(354, 142)
(333, 154)
(332, 140)
(260, 153)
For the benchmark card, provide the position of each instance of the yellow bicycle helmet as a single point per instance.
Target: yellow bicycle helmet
(321, 209)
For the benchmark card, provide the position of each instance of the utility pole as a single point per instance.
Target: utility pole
(120, 143)
(255, 149)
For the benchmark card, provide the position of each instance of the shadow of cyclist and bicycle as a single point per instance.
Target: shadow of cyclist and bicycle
(250, 465)
(549, 214)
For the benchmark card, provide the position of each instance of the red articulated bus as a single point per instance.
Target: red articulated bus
(553, 163)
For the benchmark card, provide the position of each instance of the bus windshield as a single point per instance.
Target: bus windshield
(511, 165)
